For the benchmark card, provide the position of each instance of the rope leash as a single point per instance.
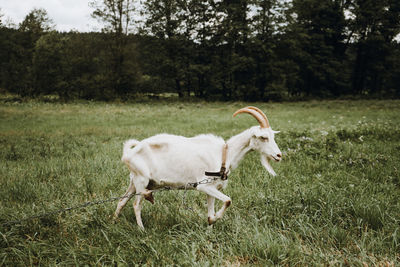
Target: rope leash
(222, 174)
(112, 199)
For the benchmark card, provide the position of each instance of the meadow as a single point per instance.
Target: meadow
(335, 200)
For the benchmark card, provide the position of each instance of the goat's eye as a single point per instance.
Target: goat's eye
(264, 139)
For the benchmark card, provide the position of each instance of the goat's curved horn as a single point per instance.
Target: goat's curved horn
(262, 114)
(263, 123)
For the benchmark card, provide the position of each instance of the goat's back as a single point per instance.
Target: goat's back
(173, 158)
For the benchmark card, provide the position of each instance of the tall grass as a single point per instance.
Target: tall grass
(335, 200)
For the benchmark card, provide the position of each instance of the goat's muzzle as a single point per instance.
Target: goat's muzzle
(277, 157)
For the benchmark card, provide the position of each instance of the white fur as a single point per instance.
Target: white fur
(174, 161)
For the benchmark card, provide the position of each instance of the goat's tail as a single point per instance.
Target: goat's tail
(128, 146)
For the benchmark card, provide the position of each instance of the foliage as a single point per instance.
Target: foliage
(117, 17)
(334, 201)
(37, 22)
(1, 18)
(256, 50)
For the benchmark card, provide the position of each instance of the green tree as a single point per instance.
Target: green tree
(231, 65)
(165, 20)
(37, 22)
(10, 60)
(47, 67)
(201, 22)
(117, 17)
(317, 28)
(267, 24)
(373, 27)
(1, 18)
(34, 25)
(85, 66)
(391, 77)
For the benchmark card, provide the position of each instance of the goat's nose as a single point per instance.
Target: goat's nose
(279, 155)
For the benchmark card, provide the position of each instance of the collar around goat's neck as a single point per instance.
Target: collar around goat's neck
(224, 152)
(223, 174)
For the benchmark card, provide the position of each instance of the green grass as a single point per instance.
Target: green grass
(335, 200)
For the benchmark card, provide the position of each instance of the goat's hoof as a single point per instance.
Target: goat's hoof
(211, 221)
(114, 219)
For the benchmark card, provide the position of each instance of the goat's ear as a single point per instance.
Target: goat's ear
(275, 132)
(267, 166)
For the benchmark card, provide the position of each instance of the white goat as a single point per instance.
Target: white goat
(176, 161)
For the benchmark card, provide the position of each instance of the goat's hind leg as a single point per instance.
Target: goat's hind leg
(141, 184)
(137, 206)
(126, 197)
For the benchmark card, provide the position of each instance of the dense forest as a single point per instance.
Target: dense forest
(224, 50)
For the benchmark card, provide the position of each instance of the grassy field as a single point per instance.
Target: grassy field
(335, 200)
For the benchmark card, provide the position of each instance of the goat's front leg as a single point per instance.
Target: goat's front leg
(211, 210)
(213, 192)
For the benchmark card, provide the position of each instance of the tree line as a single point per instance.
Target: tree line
(225, 50)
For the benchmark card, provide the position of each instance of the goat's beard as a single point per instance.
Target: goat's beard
(265, 162)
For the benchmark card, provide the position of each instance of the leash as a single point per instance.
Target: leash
(102, 201)
(222, 174)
